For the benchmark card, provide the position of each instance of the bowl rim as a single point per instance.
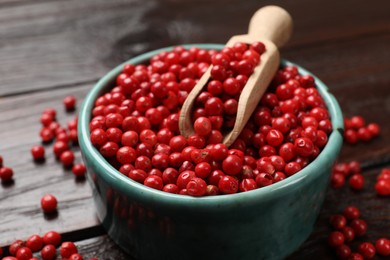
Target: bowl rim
(128, 186)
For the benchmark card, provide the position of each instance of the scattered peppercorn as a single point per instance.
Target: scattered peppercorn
(49, 203)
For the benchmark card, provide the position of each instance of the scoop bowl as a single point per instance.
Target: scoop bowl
(266, 223)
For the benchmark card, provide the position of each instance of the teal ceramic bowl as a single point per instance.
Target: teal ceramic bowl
(267, 223)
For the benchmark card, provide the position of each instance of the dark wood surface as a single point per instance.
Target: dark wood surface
(50, 49)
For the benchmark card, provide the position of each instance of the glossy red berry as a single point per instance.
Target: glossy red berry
(15, 246)
(335, 239)
(59, 147)
(343, 252)
(338, 222)
(38, 152)
(49, 203)
(69, 103)
(382, 246)
(196, 187)
(6, 174)
(351, 212)
(48, 252)
(348, 233)
(35, 243)
(232, 165)
(76, 257)
(367, 250)
(355, 256)
(382, 187)
(356, 181)
(24, 253)
(303, 146)
(247, 185)
(337, 180)
(154, 181)
(52, 238)
(79, 169)
(202, 126)
(67, 249)
(374, 129)
(359, 226)
(67, 158)
(228, 185)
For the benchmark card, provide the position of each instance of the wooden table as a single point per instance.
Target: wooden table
(50, 49)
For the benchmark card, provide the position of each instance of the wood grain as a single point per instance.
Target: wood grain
(20, 214)
(53, 43)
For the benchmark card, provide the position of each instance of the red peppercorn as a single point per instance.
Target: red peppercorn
(67, 249)
(382, 187)
(355, 256)
(15, 246)
(52, 238)
(171, 188)
(59, 147)
(196, 187)
(6, 174)
(343, 251)
(338, 222)
(228, 185)
(382, 246)
(351, 212)
(202, 126)
(357, 122)
(335, 239)
(154, 181)
(48, 252)
(367, 250)
(35, 243)
(348, 233)
(24, 253)
(79, 170)
(38, 152)
(350, 136)
(356, 181)
(232, 165)
(67, 158)
(9, 258)
(264, 179)
(48, 203)
(337, 180)
(69, 103)
(359, 226)
(374, 129)
(364, 134)
(303, 146)
(76, 257)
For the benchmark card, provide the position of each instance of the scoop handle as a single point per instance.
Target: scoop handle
(272, 23)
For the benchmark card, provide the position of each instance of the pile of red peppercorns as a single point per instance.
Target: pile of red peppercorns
(353, 170)
(346, 227)
(46, 246)
(357, 130)
(135, 125)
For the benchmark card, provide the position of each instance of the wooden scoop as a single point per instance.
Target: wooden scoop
(271, 25)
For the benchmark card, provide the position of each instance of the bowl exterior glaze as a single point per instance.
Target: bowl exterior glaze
(267, 223)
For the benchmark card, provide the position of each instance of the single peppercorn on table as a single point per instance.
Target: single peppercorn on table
(52, 50)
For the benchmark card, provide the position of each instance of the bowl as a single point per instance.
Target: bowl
(266, 223)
